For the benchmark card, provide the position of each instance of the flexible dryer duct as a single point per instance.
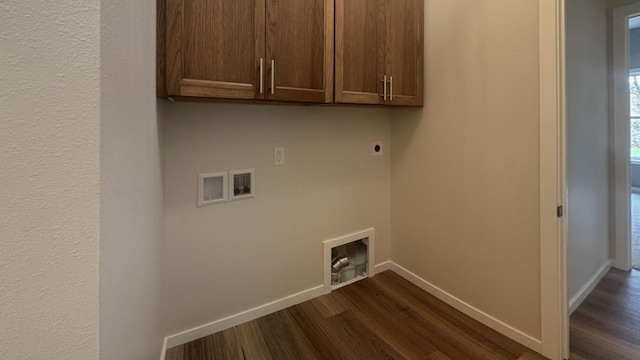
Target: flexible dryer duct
(336, 265)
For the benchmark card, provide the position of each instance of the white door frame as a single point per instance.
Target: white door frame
(621, 135)
(553, 243)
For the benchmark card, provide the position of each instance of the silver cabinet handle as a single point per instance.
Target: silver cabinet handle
(273, 77)
(384, 88)
(391, 94)
(261, 76)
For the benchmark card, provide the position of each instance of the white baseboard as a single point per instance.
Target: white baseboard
(635, 190)
(242, 317)
(582, 294)
(163, 351)
(383, 266)
(248, 315)
(469, 310)
(262, 310)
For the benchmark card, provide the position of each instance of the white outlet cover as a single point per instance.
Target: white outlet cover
(278, 155)
(373, 148)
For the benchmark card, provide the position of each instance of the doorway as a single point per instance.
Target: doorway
(626, 111)
(634, 132)
(600, 179)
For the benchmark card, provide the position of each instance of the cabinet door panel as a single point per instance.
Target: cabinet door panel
(359, 51)
(214, 48)
(300, 44)
(404, 55)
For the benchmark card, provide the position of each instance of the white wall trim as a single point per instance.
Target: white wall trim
(252, 314)
(262, 310)
(329, 244)
(242, 317)
(621, 135)
(553, 236)
(635, 190)
(163, 351)
(469, 310)
(383, 266)
(582, 294)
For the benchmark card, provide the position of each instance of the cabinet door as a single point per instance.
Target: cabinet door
(404, 54)
(214, 48)
(300, 50)
(359, 51)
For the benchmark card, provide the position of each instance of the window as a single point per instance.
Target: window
(634, 90)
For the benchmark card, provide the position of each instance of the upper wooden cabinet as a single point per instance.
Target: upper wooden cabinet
(359, 51)
(379, 52)
(213, 48)
(300, 50)
(246, 49)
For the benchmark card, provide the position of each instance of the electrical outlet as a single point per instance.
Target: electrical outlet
(278, 155)
(376, 148)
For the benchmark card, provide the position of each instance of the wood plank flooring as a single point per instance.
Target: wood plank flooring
(384, 317)
(607, 324)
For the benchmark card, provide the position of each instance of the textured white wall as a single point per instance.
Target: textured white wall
(465, 174)
(587, 141)
(49, 183)
(224, 259)
(131, 205)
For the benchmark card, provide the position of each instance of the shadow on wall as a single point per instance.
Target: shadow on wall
(161, 109)
(402, 135)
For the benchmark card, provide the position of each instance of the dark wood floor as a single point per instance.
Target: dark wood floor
(607, 324)
(384, 317)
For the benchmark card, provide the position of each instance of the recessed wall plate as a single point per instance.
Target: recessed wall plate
(212, 188)
(358, 265)
(243, 184)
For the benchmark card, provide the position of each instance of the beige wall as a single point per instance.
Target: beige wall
(475, 236)
(49, 179)
(612, 4)
(587, 141)
(465, 168)
(131, 206)
(224, 259)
